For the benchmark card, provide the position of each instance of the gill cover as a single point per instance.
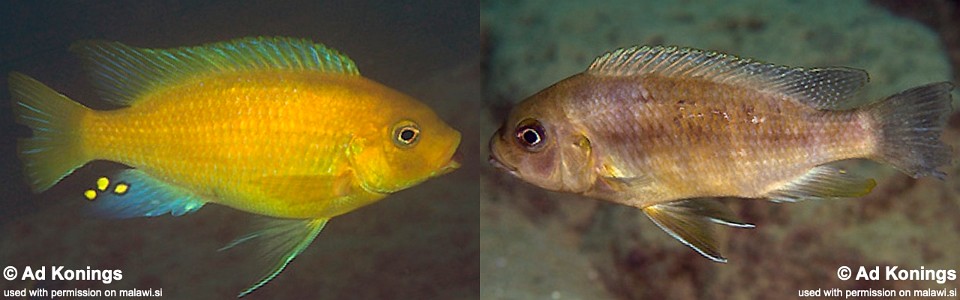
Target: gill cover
(415, 146)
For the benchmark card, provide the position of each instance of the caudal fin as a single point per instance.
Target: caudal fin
(53, 152)
(910, 125)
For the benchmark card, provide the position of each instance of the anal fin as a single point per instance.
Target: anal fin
(281, 241)
(823, 182)
(691, 222)
(132, 193)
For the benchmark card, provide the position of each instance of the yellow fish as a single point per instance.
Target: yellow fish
(279, 127)
(667, 129)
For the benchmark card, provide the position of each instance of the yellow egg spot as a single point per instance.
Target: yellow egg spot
(90, 194)
(121, 188)
(102, 183)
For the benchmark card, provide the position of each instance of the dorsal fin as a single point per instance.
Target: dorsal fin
(822, 88)
(123, 73)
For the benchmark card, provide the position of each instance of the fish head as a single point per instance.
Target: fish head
(410, 144)
(539, 145)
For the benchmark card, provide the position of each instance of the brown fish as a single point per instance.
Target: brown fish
(668, 129)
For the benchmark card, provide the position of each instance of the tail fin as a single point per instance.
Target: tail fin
(54, 150)
(910, 125)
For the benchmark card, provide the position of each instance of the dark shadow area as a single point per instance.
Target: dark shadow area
(420, 243)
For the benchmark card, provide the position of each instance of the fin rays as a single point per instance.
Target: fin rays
(123, 73)
(823, 182)
(690, 222)
(283, 240)
(822, 88)
(53, 152)
(143, 197)
(911, 123)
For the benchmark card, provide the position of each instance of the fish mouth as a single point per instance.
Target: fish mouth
(499, 165)
(494, 159)
(455, 157)
(453, 164)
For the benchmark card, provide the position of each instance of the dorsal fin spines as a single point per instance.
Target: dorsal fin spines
(822, 88)
(122, 73)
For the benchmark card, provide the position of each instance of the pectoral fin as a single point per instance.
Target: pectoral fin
(823, 182)
(690, 222)
(621, 184)
(306, 187)
(281, 241)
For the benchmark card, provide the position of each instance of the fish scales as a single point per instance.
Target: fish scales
(669, 129)
(214, 121)
(737, 141)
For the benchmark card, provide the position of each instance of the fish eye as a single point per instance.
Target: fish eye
(406, 134)
(530, 135)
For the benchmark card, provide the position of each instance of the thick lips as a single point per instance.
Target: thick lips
(494, 160)
(455, 158)
(496, 163)
(453, 164)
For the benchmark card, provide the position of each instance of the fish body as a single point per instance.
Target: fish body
(690, 138)
(284, 126)
(667, 129)
(279, 127)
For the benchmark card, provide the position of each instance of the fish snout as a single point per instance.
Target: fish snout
(497, 164)
(494, 158)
